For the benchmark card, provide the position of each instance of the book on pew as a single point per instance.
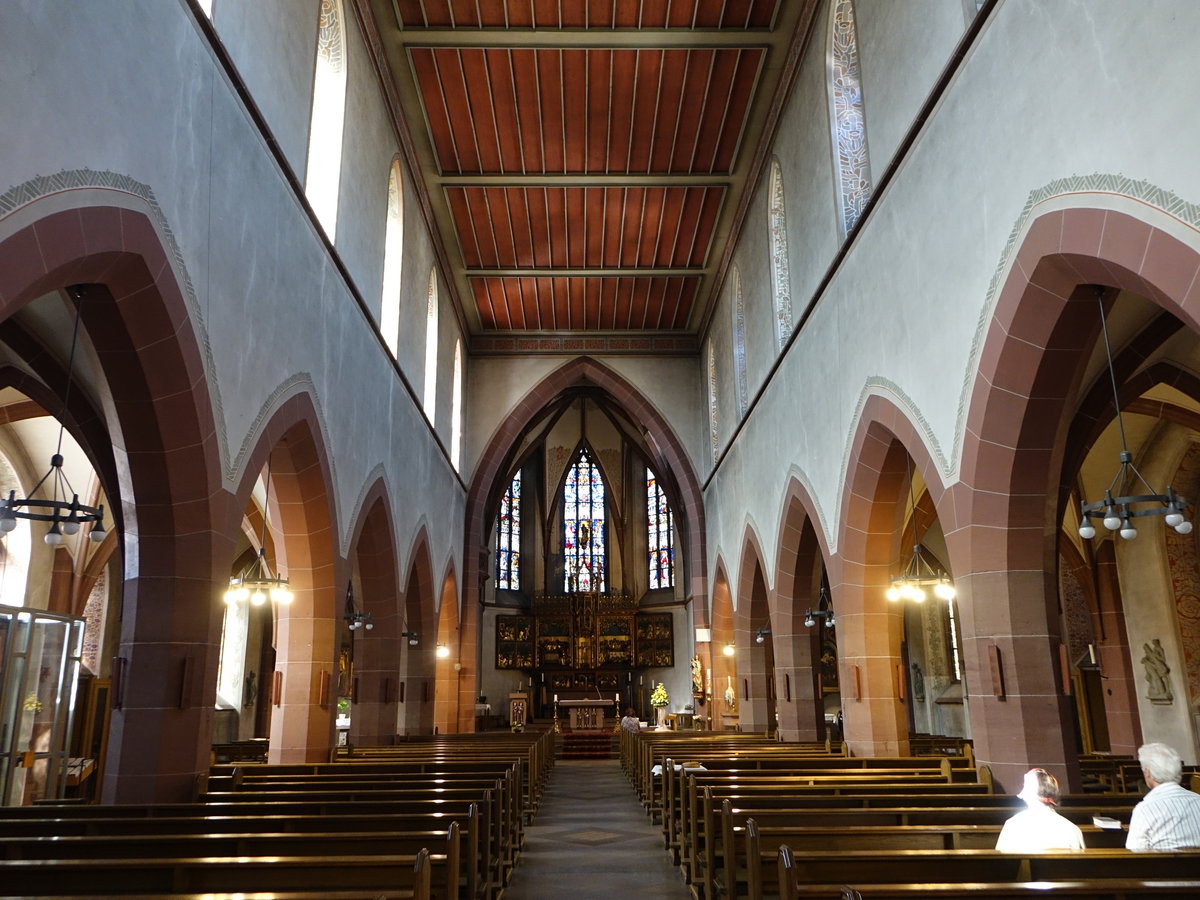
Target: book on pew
(1106, 822)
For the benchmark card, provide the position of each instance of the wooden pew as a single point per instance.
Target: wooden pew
(445, 845)
(479, 847)
(407, 876)
(1091, 889)
(717, 817)
(861, 867)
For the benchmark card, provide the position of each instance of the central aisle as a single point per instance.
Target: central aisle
(591, 839)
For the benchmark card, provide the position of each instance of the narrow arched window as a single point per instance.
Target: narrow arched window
(712, 399)
(456, 408)
(739, 342)
(508, 538)
(660, 534)
(431, 347)
(323, 178)
(781, 270)
(853, 181)
(584, 526)
(205, 7)
(393, 253)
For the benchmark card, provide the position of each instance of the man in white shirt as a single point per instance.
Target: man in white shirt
(1039, 827)
(1168, 818)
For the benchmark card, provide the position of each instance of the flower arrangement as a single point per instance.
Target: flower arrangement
(33, 704)
(659, 696)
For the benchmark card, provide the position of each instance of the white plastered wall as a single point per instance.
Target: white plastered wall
(270, 309)
(1049, 91)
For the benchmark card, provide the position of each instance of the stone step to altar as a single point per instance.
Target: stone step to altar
(586, 745)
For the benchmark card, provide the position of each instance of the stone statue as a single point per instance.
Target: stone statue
(918, 683)
(1158, 687)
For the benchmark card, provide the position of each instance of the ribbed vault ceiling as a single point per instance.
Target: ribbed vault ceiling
(584, 164)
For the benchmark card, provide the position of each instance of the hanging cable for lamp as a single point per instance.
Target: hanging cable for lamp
(919, 573)
(66, 517)
(1121, 504)
(255, 583)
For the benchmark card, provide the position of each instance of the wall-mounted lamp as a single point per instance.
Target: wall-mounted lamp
(729, 650)
(443, 652)
(761, 635)
(703, 635)
(413, 637)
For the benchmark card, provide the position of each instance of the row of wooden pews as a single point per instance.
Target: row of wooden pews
(437, 818)
(745, 816)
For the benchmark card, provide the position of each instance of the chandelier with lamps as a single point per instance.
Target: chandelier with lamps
(255, 583)
(919, 573)
(66, 517)
(760, 636)
(359, 620)
(1134, 498)
(823, 612)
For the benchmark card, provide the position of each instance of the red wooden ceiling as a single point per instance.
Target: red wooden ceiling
(583, 161)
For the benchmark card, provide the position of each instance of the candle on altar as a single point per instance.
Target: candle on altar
(639, 681)
(616, 699)
(556, 698)
(543, 678)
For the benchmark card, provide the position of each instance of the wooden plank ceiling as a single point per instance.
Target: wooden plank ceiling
(584, 162)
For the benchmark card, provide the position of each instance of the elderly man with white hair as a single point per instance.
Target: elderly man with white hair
(1168, 817)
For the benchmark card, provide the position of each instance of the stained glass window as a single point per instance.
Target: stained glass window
(660, 535)
(583, 526)
(508, 538)
(849, 121)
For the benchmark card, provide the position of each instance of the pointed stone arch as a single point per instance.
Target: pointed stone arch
(756, 693)
(1033, 348)
(801, 559)
(376, 653)
(870, 630)
(152, 364)
(418, 661)
(303, 521)
(449, 701)
(495, 464)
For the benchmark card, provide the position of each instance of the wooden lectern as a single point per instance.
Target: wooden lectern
(518, 708)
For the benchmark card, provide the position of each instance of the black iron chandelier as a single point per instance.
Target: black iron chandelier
(1128, 496)
(66, 517)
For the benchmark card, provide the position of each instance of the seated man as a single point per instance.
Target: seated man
(1168, 818)
(1039, 827)
(630, 722)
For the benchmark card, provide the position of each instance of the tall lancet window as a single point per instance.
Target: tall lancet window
(456, 409)
(508, 538)
(324, 174)
(660, 526)
(712, 399)
(781, 269)
(393, 251)
(429, 402)
(584, 526)
(739, 342)
(846, 113)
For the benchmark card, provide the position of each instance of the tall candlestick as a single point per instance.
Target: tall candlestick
(616, 700)
(556, 698)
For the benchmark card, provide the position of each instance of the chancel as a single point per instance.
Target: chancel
(456, 384)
